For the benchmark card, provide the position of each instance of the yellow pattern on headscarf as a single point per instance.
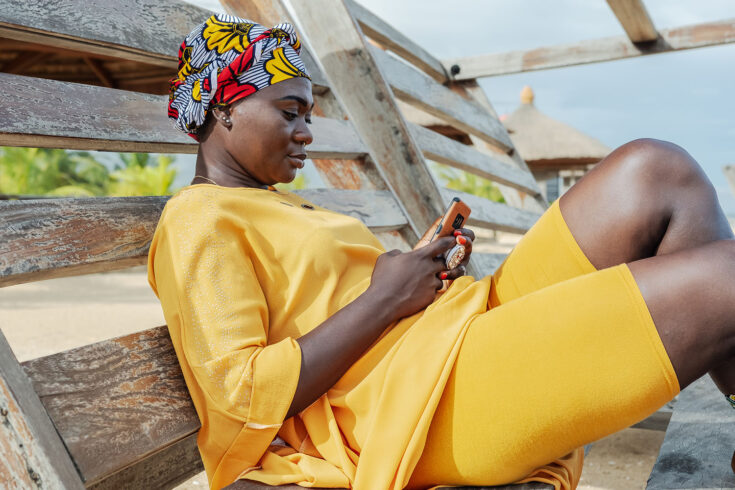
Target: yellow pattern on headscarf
(281, 68)
(196, 91)
(224, 36)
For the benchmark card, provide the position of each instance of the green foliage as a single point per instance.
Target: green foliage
(138, 178)
(300, 182)
(463, 181)
(64, 173)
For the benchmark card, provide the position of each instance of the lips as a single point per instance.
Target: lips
(297, 159)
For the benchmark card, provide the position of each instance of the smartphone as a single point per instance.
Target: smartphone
(453, 218)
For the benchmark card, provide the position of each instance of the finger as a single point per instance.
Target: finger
(457, 272)
(439, 246)
(466, 232)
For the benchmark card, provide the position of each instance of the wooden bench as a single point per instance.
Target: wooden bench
(116, 414)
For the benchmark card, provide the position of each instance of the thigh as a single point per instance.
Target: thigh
(544, 374)
(547, 254)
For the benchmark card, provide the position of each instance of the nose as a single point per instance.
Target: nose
(303, 134)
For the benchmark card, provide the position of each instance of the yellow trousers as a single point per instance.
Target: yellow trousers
(566, 355)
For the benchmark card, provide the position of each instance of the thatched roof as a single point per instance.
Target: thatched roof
(544, 142)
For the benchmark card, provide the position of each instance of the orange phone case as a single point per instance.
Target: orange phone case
(454, 217)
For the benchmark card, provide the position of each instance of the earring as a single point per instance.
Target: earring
(226, 120)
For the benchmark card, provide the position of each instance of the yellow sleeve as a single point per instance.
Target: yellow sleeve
(203, 273)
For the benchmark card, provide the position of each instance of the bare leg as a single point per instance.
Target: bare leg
(650, 198)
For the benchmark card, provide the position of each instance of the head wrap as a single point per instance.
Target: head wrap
(225, 59)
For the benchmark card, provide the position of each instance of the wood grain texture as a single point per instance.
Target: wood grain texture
(698, 447)
(138, 30)
(593, 51)
(115, 402)
(634, 18)
(394, 40)
(41, 239)
(487, 263)
(49, 113)
(493, 215)
(368, 100)
(31, 453)
(455, 154)
(416, 88)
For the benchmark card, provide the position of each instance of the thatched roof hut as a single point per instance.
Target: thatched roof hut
(548, 144)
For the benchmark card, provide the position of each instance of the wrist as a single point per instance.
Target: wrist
(380, 304)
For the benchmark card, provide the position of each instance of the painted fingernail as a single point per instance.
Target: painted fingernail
(443, 275)
(457, 232)
(461, 240)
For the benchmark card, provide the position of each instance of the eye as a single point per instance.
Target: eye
(307, 119)
(290, 115)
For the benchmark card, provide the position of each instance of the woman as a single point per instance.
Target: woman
(313, 357)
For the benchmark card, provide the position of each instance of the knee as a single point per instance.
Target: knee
(652, 162)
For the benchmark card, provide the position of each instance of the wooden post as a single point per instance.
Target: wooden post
(31, 453)
(634, 18)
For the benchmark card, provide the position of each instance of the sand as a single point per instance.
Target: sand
(45, 317)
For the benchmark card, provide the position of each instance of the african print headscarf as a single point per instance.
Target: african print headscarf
(225, 59)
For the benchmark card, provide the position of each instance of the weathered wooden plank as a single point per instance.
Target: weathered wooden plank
(413, 87)
(49, 113)
(129, 390)
(113, 28)
(390, 38)
(453, 153)
(41, 239)
(368, 100)
(593, 51)
(493, 215)
(699, 442)
(487, 263)
(634, 18)
(31, 453)
(162, 470)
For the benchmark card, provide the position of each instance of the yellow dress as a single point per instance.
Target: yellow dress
(241, 273)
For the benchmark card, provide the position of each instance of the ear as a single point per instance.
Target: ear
(222, 116)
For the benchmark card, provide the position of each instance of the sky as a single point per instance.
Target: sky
(685, 97)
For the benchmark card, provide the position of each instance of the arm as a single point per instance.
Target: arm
(401, 285)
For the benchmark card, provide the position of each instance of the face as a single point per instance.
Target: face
(268, 131)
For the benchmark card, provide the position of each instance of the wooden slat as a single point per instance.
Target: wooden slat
(31, 453)
(128, 390)
(368, 100)
(487, 263)
(53, 114)
(453, 153)
(593, 51)
(634, 18)
(413, 87)
(65, 237)
(113, 28)
(699, 442)
(493, 215)
(385, 34)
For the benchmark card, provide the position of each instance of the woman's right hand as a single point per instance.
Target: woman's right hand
(407, 282)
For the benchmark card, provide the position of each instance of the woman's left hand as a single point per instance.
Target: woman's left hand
(464, 237)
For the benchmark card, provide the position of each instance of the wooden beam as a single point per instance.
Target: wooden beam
(24, 60)
(99, 72)
(394, 40)
(356, 80)
(634, 18)
(593, 51)
(94, 394)
(97, 28)
(493, 215)
(31, 453)
(53, 114)
(697, 449)
(66, 237)
(418, 89)
(455, 154)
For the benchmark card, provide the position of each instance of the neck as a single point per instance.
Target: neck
(215, 164)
